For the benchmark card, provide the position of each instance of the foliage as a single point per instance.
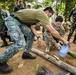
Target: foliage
(60, 6)
(47, 2)
(69, 5)
(36, 4)
(9, 4)
(63, 6)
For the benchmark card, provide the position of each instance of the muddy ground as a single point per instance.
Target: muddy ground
(31, 67)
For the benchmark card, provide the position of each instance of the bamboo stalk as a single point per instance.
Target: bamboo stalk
(56, 61)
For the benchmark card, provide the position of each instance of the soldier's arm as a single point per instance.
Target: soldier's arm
(56, 34)
(36, 34)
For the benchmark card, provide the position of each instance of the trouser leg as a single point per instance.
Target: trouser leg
(30, 37)
(7, 36)
(43, 30)
(3, 38)
(74, 41)
(6, 33)
(71, 32)
(18, 37)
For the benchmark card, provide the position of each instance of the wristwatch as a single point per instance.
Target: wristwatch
(38, 37)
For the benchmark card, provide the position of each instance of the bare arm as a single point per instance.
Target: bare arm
(34, 30)
(56, 34)
(36, 34)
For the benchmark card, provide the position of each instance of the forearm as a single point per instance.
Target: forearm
(34, 30)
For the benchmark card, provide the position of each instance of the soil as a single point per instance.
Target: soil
(31, 67)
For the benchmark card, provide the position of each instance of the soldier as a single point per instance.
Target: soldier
(73, 27)
(3, 29)
(23, 23)
(49, 39)
(19, 5)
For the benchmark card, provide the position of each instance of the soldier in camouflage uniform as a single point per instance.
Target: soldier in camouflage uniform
(21, 23)
(3, 29)
(49, 39)
(73, 26)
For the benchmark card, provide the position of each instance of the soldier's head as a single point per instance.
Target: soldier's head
(58, 21)
(20, 2)
(49, 11)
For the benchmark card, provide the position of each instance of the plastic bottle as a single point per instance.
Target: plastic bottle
(64, 50)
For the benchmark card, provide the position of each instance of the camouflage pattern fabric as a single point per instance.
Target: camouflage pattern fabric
(14, 28)
(3, 15)
(73, 26)
(49, 38)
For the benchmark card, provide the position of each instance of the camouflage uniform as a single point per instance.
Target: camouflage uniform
(49, 39)
(3, 15)
(15, 27)
(73, 27)
(3, 29)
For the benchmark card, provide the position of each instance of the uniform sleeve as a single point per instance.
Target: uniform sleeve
(49, 38)
(4, 14)
(42, 17)
(62, 31)
(53, 41)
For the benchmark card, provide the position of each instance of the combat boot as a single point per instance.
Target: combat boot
(4, 68)
(27, 56)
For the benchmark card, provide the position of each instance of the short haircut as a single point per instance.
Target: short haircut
(59, 18)
(49, 9)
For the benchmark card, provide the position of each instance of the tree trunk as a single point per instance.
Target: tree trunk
(56, 61)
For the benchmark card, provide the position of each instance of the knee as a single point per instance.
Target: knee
(20, 43)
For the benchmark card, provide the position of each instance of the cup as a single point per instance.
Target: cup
(64, 50)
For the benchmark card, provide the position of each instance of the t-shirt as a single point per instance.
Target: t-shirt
(32, 16)
(17, 7)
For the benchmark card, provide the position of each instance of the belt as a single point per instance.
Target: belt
(14, 16)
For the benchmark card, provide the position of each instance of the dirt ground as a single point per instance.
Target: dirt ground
(31, 67)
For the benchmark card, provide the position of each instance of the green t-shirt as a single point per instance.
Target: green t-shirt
(32, 16)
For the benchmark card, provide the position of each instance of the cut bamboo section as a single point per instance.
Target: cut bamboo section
(56, 61)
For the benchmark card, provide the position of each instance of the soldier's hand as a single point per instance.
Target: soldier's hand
(66, 42)
(39, 40)
(58, 46)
